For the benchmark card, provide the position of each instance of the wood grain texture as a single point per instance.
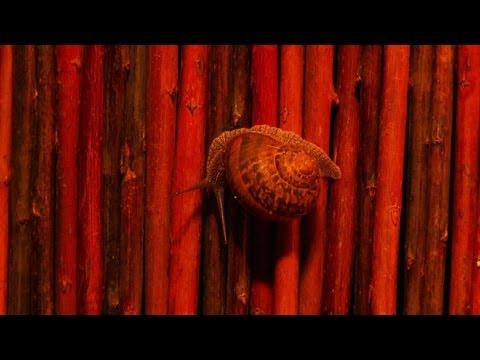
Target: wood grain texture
(287, 246)
(117, 65)
(319, 95)
(370, 92)
(6, 96)
(43, 170)
(393, 121)
(162, 89)
(69, 75)
(238, 267)
(132, 168)
(416, 211)
(90, 254)
(20, 248)
(264, 112)
(439, 172)
(342, 211)
(189, 167)
(465, 178)
(214, 263)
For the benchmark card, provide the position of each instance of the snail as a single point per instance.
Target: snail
(273, 173)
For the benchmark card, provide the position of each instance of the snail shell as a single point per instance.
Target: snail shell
(272, 172)
(274, 180)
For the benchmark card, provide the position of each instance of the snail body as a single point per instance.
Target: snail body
(271, 172)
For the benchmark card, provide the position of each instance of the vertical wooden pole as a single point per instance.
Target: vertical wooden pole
(69, 65)
(214, 258)
(393, 120)
(90, 262)
(43, 170)
(160, 146)
(132, 167)
(6, 87)
(287, 246)
(371, 87)
(439, 171)
(264, 111)
(342, 211)
(189, 168)
(465, 178)
(238, 271)
(24, 95)
(319, 95)
(475, 293)
(117, 67)
(418, 142)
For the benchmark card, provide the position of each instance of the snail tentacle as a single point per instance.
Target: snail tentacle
(218, 190)
(201, 185)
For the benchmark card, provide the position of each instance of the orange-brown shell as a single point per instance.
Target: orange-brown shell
(274, 180)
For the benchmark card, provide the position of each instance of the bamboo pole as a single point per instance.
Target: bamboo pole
(342, 211)
(214, 251)
(238, 270)
(69, 64)
(465, 178)
(319, 94)
(6, 87)
(439, 166)
(475, 303)
(19, 276)
(160, 146)
(371, 86)
(90, 267)
(132, 167)
(43, 170)
(393, 119)
(264, 111)
(188, 169)
(421, 75)
(116, 72)
(287, 246)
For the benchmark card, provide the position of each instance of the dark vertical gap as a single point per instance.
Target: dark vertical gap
(401, 276)
(448, 255)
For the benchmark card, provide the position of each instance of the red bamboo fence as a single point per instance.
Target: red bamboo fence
(96, 140)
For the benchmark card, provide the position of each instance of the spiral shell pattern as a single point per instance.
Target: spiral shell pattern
(275, 180)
